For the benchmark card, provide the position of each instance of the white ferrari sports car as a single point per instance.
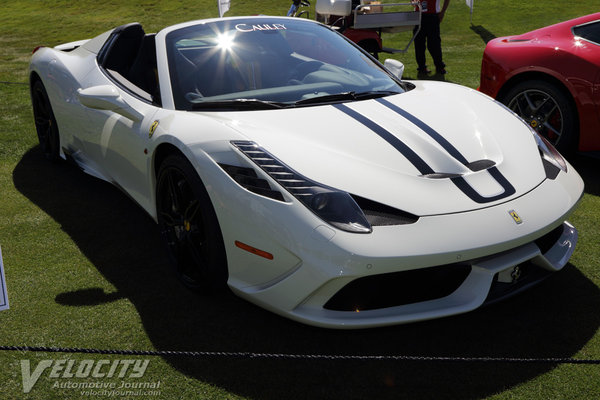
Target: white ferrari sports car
(282, 161)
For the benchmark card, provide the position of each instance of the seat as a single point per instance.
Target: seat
(121, 49)
(129, 56)
(143, 73)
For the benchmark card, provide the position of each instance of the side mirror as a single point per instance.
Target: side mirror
(107, 98)
(395, 67)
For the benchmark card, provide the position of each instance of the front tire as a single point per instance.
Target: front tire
(548, 110)
(45, 123)
(189, 226)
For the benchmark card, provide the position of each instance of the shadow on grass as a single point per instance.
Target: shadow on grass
(483, 33)
(555, 319)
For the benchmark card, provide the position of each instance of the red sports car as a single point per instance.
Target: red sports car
(551, 78)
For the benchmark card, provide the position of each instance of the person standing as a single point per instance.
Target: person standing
(433, 12)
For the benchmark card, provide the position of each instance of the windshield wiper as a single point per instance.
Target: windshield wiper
(256, 104)
(374, 94)
(238, 104)
(330, 98)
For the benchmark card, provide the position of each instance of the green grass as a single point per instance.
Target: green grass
(85, 269)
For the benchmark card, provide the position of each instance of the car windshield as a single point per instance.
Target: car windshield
(259, 63)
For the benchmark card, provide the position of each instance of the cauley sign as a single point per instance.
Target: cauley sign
(82, 369)
(263, 27)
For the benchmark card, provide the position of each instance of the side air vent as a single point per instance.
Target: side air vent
(247, 178)
(381, 215)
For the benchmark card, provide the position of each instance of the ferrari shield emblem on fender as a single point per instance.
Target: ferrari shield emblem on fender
(153, 128)
(515, 217)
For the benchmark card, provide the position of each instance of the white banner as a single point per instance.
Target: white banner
(470, 5)
(3, 294)
(223, 7)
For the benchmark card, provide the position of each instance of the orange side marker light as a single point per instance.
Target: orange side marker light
(254, 250)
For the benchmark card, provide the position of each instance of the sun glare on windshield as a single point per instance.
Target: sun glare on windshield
(225, 41)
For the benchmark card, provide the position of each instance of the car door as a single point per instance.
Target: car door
(115, 145)
(120, 111)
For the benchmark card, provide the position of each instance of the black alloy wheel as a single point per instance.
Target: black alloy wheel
(45, 123)
(189, 226)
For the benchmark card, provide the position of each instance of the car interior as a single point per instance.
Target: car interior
(129, 58)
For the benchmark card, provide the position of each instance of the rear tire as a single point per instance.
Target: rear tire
(548, 110)
(45, 123)
(189, 226)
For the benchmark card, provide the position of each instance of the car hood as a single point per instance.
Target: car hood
(439, 148)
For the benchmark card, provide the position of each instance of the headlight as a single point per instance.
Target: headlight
(549, 152)
(335, 207)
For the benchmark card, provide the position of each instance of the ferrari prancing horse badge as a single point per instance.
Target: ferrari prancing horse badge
(153, 128)
(515, 216)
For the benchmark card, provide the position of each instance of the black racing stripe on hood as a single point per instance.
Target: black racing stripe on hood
(398, 144)
(420, 164)
(467, 189)
(460, 182)
(453, 151)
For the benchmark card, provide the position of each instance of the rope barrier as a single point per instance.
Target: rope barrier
(283, 356)
(13, 83)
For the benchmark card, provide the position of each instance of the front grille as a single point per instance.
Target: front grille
(399, 288)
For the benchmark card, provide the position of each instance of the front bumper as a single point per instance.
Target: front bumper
(485, 282)
(488, 241)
